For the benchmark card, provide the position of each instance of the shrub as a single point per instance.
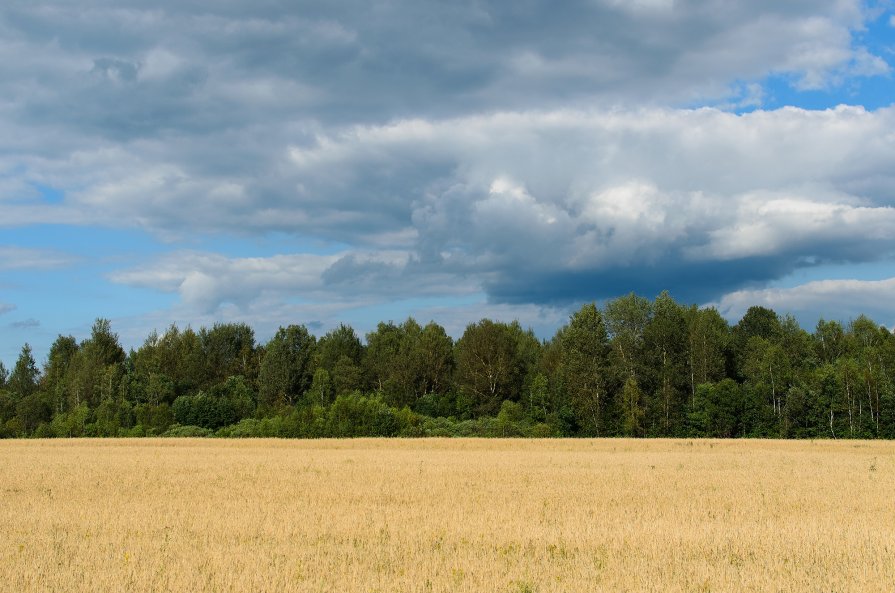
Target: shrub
(187, 431)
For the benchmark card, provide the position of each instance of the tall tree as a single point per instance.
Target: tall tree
(387, 363)
(708, 338)
(585, 363)
(340, 352)
(758, 322)
(23, 380)
(489, 366)
(665, 338)
(865, 347)
(632, 408)
(56, 370)
(436, 352)
(768, 369)
(287, 368)
(96, 369)
(829, 339)
(229, 350)
(627, 318)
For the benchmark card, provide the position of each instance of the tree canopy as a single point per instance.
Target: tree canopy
(633, 367)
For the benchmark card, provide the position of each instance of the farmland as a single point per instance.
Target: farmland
(446, 515)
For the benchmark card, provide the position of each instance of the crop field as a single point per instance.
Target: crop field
(447, 515)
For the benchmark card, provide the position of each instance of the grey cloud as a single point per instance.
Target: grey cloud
(207, 282)
(476, 145)
(128, 71)
(29, 323)
(115, 70)
(559, 206)
(179, 115)
(6, 308)
(563, 205)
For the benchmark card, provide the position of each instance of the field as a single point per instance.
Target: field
(447, 515)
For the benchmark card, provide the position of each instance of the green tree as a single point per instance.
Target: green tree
(665, 342)
(23, 380)
(708, 338)
(389, 364)
(56, 370)
(229, 350)
(321, 392)
(287, 368)
(829, 339)
(585, 364)
(767, 367)
(758, 322)
(225, 403)
(34, 409)
(627, 318)
(340, 352)
(538, 398)
(490, 368)
(96, 369)
(436, 359)
(632, 408)
(718, 410)
(866, 343)
(405, 362)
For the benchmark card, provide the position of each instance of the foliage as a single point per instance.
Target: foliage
(632, 367)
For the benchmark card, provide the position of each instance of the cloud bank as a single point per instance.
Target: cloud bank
(533, 154)
(561, 206)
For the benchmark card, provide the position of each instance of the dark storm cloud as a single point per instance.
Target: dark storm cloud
(693, 283)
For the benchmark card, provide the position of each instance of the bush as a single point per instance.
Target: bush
(44, 431)
(137, 431)
(154, 419)
(179, 431)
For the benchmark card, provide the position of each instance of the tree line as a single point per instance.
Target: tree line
(634, 367)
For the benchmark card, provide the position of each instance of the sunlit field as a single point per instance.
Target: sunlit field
(447, 515)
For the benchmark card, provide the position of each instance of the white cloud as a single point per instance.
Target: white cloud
(207, 282)
(509, 148)
(19, 258)
(831, 299)
(539, 206)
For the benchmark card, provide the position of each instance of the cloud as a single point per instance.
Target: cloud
(207, 281)
(6, 308)
(830, 299)
(555, 207)
(137, 71)
(19, 258)
(29, 323)
(544, 206)
(537, 155)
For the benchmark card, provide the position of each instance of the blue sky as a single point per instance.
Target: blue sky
(286, 162)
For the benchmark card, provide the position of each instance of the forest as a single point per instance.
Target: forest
(633, 367)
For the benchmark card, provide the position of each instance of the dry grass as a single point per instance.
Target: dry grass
(446, 515)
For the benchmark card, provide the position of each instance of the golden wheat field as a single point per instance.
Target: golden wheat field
(446, 515)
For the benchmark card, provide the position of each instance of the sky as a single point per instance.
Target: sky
(280, 161)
